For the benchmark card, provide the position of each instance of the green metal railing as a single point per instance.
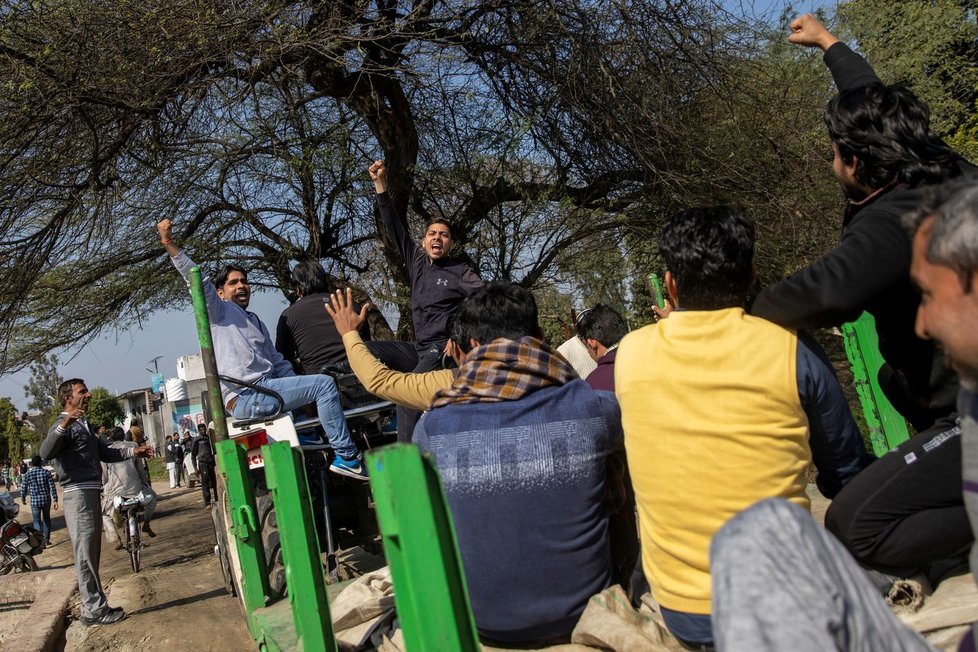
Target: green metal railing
(302, 621)
(419, 542)
(419, 538)
(887, 429)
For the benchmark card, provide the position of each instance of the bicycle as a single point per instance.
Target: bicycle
(130, 509)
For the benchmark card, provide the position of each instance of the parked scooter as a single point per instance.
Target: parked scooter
(18, 542)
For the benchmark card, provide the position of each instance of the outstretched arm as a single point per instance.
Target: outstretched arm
(165, 227)
(393, 224)
(215, 305)
(849, 70)
(412, 390)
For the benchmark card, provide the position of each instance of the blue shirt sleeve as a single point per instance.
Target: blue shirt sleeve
(837, 445)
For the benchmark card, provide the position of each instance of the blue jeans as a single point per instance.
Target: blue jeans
(297, 391)
(42, 520)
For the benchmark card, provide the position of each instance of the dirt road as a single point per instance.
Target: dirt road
(176, 601)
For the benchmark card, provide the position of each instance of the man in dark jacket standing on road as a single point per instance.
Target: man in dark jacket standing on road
(885, 153)
(203, 455)
(77, 452)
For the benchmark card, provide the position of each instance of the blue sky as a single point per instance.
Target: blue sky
(118, 361)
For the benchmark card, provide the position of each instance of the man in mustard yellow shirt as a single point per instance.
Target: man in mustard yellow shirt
(720, 409)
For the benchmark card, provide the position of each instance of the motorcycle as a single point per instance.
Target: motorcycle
(18, 542)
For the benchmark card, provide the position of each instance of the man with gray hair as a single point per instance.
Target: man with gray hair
(773, 557)
(76, 451)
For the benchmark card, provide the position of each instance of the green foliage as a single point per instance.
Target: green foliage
(42, 388)
(929, 45)
(965, 139)
(554, 308)
(157, 469)
(11, 432)
(104, 408)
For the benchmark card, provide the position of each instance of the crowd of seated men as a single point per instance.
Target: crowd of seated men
(705, 423)
(720, 406)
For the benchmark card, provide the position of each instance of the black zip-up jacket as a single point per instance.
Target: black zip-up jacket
(307, 337)
(77, 453)
(870, 270)
(436, 287)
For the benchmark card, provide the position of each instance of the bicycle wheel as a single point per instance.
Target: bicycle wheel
(133, 535)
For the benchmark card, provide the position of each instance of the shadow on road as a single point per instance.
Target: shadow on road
(181, 601)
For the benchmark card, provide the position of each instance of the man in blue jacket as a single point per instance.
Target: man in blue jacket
(532, 463)
(76, 452)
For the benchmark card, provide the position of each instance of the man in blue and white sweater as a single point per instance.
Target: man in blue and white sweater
(531, 460)
(245, 350)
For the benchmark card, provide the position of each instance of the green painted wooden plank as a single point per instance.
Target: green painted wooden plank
(286, 477)
(887, 428)
(419, 541)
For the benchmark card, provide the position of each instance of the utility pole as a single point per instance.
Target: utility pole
(159, 436)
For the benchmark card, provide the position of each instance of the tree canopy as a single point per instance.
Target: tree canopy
(557, 136)
(104, 408)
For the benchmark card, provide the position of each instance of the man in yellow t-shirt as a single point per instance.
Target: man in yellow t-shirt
(720, 409)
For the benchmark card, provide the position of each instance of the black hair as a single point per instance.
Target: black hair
(457, 332)
(499, 309)
(202, 425)
(603, 324)
(439, 220)
(310, 277)
(134, 422)
(117, 434)
(887, 128)
(222, 276)
(64, 389)
(36, 460)
(710, 253)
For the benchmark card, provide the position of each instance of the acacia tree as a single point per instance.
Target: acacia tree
(42, 388)
(533, 124)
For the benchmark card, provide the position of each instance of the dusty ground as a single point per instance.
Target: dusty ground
(177, 600)
(178, 597)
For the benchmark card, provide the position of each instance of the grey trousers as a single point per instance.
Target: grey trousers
(83, 516)
(781, 582)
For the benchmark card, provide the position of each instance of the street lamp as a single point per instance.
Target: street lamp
(155, 363)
